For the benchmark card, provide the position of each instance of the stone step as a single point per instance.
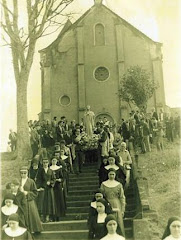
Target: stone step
(65, 225)
(130, 200)
(71, 234)
(74, 225)
(84, 216)
(75, 216)
(85, 209)
(77, 225)
(81, 192)
(90, 165)
(63, 235)
(83, 187)
(87, 203)
(86, 197)
(130, 207)
(75, 178)
(89, 170)
(83, 174)
(128, 222)
(78, 203)
(80, 183)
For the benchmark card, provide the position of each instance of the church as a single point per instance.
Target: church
(85, 64)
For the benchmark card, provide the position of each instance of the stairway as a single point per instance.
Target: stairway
(81, 192)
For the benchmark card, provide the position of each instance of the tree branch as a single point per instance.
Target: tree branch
(15, 17)
(44, 18)
(4, 6)
(4, 39)
(9, 29)
(50, 32)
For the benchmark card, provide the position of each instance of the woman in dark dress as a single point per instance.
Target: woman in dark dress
(20, 201)
(102, 171)
(92, 209)
(48, 178)
(120, 175)
(58, 189)
(36, 173)
(13, 231)
(97, 228)
(28, 187)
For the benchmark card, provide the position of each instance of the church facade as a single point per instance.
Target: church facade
(85, 64)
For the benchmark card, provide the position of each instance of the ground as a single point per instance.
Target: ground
(162, 169)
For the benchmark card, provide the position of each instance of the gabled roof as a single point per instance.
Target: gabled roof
(68, 26)
(131, 26)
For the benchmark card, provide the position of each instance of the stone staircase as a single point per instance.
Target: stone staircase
(74, 225)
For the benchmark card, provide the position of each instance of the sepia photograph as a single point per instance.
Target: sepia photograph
(90, 119)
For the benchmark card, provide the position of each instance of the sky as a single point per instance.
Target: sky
(158, 19)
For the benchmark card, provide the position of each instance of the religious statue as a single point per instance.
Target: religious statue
(89, 118)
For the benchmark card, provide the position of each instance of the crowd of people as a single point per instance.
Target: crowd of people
(60, 148)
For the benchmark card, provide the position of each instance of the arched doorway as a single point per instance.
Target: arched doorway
(100, 116)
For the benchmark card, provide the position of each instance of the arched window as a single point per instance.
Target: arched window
(99, 35)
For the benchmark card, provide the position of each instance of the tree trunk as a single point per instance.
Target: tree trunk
(24, 151)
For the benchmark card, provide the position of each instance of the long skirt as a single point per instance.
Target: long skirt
(34, 223)
(49, 207)
(59, 200)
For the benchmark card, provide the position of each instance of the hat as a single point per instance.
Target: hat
(62, 141)
(8, 186)
(37, 156)
(13, 217)
(111, 170)
(99, 190)
(111, 158)
(24, 168)
(57, 151)
(9, 196)
(109, 218)
(123, 144)
(35, 161)
(45, 159)
(15, 182)
(103, 201)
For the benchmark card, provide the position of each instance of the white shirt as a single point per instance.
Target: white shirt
(93, 204)
(9, 210)
(111, 166)
(111, 183)
(101, 217)
(23, 181)
(16, 233)
(54, 167)
(113, 237)
(170, 237)
(46, 170)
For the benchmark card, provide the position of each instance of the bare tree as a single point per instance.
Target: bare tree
(40, 15)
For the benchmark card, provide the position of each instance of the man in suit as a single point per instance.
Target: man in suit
(13, 140)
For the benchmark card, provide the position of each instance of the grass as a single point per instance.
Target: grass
(162, 169)
(9, 168)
